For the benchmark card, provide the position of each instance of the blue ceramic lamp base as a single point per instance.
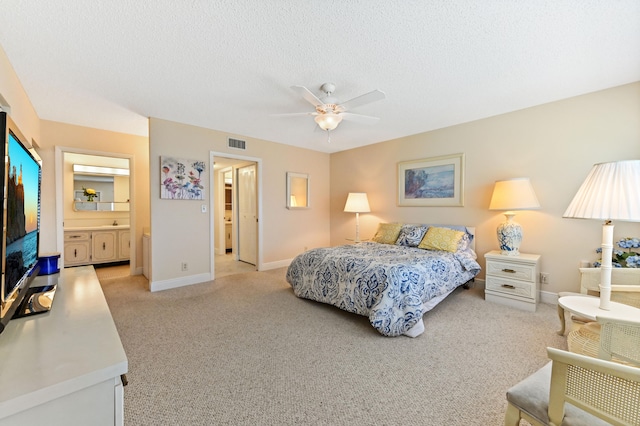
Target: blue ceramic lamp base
(509, 236)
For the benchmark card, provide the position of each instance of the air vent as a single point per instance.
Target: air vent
(237, 144)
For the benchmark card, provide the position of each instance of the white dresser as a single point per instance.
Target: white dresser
(512, 280)
(64, 367)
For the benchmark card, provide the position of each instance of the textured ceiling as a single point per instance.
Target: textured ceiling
(229, 65)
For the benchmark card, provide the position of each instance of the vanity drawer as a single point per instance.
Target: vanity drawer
(512, 270)
(77, 236)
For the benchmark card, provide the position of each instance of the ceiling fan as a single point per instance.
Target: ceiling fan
(329, 112)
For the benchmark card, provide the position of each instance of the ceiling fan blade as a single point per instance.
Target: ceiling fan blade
(359, 118)
(307, 95)
(293, 114)
(374, 95)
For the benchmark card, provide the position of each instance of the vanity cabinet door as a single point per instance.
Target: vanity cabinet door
(104, 246)
(124, 245)
(77, 248)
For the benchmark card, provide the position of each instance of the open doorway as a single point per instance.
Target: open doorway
(236, 195)
(95, 217)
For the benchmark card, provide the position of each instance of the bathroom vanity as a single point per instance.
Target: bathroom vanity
(99, 244)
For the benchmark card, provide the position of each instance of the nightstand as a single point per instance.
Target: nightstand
(512, 280)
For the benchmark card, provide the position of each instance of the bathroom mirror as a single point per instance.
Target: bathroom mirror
(109, 184)
(297, 190)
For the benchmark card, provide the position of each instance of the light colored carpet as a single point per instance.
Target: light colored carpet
(243, 350)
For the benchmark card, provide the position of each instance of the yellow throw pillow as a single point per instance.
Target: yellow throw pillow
(441, 239)
(387, 233)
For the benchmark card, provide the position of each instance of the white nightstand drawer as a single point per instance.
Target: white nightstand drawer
(512, 287)
(512, 270)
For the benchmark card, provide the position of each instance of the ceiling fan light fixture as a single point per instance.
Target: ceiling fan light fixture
(328, 121)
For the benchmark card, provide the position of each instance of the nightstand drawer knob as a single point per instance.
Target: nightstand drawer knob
(511, 271)
(509, 286)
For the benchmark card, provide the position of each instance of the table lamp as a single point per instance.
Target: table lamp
(512, 194)
(357, 203)
(610, 192)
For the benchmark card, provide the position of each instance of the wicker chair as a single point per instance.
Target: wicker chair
(608, 338)
(576, 389)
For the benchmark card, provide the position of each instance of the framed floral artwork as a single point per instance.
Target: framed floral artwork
(432, 182)
(181, 179)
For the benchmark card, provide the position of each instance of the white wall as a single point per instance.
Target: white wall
(554, 144)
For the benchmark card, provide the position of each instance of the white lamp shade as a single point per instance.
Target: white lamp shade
(357, 202)
(328, 121)
(514, 194)
(611, 191)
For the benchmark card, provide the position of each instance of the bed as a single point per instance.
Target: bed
(405, 271)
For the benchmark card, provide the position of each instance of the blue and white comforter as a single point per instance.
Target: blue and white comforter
(390, 284)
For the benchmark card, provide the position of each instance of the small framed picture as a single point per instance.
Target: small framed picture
(432, 182)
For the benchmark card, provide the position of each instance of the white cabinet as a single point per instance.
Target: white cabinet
(103, 246)
(64, 367)
(512, 280)
(124, 245)
(96, 245)
(77, 248)
(227, 236)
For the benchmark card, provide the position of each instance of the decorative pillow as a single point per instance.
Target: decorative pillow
(411, 235)
(387, 233)
(465, 241)
(441, 239)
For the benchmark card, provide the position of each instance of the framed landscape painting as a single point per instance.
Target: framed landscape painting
(432, 182)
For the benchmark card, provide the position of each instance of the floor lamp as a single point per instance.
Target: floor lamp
(610, 192)
(357, 203)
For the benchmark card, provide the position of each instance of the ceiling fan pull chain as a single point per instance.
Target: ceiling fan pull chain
(328, 136)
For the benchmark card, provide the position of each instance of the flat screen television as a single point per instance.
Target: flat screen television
(20, 182)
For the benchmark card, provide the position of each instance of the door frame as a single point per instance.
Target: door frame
(61, 198)
(213, 218)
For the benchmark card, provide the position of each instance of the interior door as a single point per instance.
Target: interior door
(247, 214)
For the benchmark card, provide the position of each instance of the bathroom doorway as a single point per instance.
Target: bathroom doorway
(236, 195)
(96, 213)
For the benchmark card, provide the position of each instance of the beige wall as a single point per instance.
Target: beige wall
(554, 144)
(12, 95)
(181, 232)
(80, 138)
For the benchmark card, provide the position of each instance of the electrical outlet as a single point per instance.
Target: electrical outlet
(544, 278)
(185, 267)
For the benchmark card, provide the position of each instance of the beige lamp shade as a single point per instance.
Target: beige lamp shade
(357, 202)
(514, 194)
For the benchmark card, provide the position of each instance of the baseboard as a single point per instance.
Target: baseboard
(549, 298)
(179, 282)
(275, 265)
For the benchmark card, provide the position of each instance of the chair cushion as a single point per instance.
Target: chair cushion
(532, 396)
